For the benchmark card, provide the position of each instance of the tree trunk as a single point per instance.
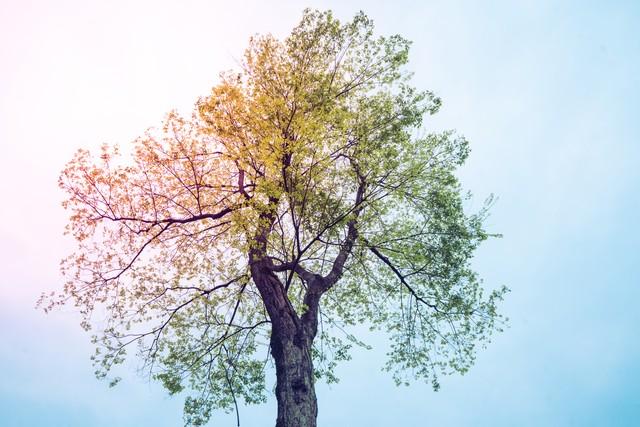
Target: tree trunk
(291, 340)
(295, 392)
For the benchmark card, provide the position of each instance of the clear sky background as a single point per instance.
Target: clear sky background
(548, 93)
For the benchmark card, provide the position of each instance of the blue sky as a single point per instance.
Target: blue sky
(547, 92)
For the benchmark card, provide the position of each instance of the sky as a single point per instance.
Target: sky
(547, 93)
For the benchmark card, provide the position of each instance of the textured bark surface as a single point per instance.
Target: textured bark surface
(295, 393)
(291, 340)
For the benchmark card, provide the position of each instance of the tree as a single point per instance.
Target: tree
(300, 199)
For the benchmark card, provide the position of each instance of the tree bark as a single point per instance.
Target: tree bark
(295, 391)
(291, 340)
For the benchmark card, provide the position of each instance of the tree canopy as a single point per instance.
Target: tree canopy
(302, 194)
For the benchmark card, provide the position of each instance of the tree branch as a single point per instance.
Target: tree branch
(401, 277)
